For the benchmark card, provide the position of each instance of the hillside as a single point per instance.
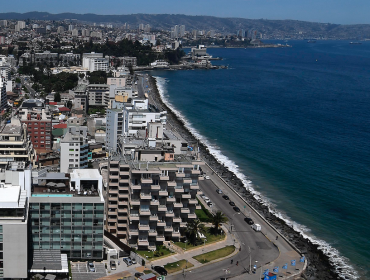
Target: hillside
(269, 28)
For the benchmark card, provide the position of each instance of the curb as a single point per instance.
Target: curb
(254, 210)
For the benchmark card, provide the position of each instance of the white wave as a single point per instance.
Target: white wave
(340, 263)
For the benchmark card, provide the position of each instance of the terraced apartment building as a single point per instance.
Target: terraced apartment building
(150, 201)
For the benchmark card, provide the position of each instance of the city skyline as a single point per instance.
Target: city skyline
(331, 11)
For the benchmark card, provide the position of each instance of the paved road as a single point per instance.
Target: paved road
(262, 248)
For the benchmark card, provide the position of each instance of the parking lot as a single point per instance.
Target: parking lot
(80, 271)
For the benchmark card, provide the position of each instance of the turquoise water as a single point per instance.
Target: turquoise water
(294, 124)
(52, 195)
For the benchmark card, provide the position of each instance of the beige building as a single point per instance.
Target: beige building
(150, 202)
(15, 145)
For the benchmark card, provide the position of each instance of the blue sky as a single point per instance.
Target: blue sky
(333, 11)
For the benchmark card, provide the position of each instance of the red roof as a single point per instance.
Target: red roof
(64, 109)
(60, 125)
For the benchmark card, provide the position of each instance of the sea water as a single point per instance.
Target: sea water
(294, 125)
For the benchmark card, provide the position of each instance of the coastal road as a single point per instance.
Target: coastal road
(268, 248)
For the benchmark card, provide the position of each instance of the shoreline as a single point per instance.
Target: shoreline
(319, 265)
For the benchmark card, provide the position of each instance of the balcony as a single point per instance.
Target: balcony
(161, 223)
(124, 173)
(113, 184)
(123, 188)
(185, 210)
(133, 231)
(183, 224)
(121, 232)
(122, 203)
(180, 174)
(164, 178)
(163, 193)
(194, 186)
(170, 213)
(177, 205)
(110, 220)
(145, 196)
(152, 246)
(160, 238)
(162, 207)
(201, 178)
(193, 201)
(112, 227)
(176, 234)
(110, 212)
(113, 191)
(192, 216)
(171, 183)
(146, 180)
(144, 212)
(187, 181)
(194, 171)
(152, 232)
(168, 228)
(135, 202)
(113, 198)
(198, 207)
(113, 176)
(179, 189)
(186, 195)
(154, 202)
(135, 187)
(144, 227)
(143, 242)
(176, 220)
(155, 187)
(153, 218)
(171, 199)
(134, 216)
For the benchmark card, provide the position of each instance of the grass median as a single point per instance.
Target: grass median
(214, 255)
(161, 252)
(210, 238)
(177, 266)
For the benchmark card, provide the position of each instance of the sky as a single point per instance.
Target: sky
(326, 11)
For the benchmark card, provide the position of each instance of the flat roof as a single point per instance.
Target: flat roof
(12, 129)
(9, 196)
(85, 173)
(48, 259)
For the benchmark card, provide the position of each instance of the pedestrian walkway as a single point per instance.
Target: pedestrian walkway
(188, 255)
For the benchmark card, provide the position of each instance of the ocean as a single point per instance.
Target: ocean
(294, 125)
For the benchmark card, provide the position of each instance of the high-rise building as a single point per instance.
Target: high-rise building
(60, 30)
(3, 22)
(67, 214)
(70, 27)
(74, 149)
(150, 202)
(94, 62)
(13, 232)
(182, 30)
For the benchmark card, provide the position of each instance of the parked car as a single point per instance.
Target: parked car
(249, 221)
(236, 209)
(113, 265)
(139, 274)
(160, 269)
(207, 177)
(127, 261)
(226, 197)
(232, 203)
(91, 266)
(219, 191)
(133, 261)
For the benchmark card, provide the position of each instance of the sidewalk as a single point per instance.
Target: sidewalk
(230, 240)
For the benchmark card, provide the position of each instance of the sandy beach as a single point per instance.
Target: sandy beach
(319, 266)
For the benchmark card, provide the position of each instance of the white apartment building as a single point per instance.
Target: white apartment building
(98, 94)
(74, 149)
(95, 62)
(15, 145)
(113, 128)
(13, 232)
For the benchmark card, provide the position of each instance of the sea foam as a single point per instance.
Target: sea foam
(340, 263)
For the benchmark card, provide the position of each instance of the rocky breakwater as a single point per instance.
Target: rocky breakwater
(319, 266)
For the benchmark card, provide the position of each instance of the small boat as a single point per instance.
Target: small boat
(355, 43)
(311, 41)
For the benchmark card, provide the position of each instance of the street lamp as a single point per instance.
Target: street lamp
(231, 226)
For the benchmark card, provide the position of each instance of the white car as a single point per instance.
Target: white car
(207, 177)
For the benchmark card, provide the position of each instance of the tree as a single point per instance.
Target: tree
(193, 229)
(218, 219)
(57, 97)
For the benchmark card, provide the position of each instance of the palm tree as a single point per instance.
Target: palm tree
(193, 229)
(218, 219)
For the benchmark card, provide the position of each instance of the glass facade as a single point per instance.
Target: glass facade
(74, 228)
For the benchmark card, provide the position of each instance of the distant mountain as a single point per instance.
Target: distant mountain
(269, 28)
